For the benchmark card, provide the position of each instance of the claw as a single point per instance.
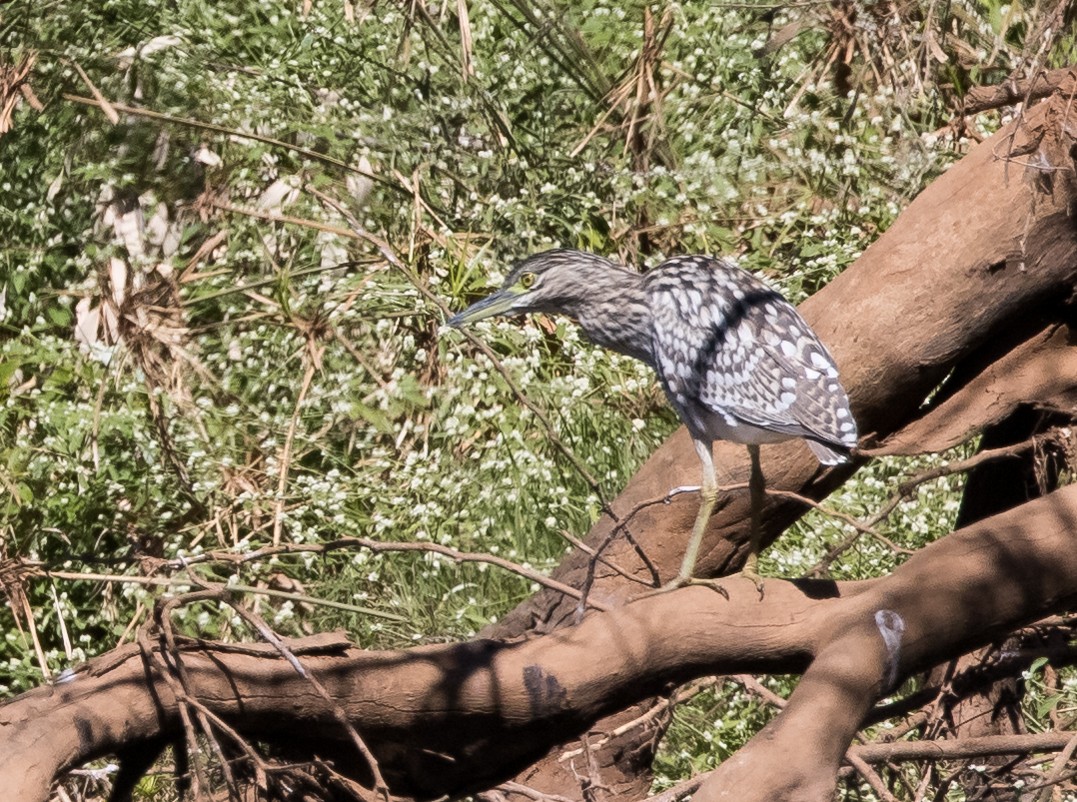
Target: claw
(750, 573)
(713, 584)
(688, 581)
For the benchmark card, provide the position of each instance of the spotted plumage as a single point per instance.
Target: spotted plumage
(739, 363)
(736, 360)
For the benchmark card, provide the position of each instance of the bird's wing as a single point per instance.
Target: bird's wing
(723, 339)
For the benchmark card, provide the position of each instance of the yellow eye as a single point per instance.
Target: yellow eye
(527, 280)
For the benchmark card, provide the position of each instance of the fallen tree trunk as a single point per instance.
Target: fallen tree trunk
(971, 280)
(450, 719)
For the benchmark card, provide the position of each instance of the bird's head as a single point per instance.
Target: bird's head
(551, 281)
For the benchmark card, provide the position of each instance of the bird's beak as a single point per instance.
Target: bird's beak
(499, 303)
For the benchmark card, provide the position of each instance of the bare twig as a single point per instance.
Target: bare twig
(870, 776)
(106, 107)
(984, 98)
(1058, 771)
(313, 360)
(683, 694)
(985, 746)
(164, 582)
(375, 546)
(380, 786)
(906, 488)
(220, 129)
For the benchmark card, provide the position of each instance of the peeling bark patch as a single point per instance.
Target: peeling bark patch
(892, 628)
(546, 694)
(67, 675)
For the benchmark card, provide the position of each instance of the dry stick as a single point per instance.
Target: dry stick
(1066, 777)
(187, 700)
(313, 358)
(271, 637)
(220, 593)
(984, 98)
(680, 790)
(220, 129)
(986, 746)
(261, 768)
(871, 777)
(436, 548)
(622, 526)
(575, 542)
(1059, 769)
(754, 686)
(983, 746)
(531, 793)
(683, 694)
(375, 546)
(164, 582)
(906, 488)
(282, 218)
(106, 107)
(860, 527)
(176, 676)
(31, 625)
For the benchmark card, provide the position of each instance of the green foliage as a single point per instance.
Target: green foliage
(264, 379)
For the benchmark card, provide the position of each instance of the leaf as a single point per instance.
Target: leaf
(375, 417)
(59, 316)
(7, 370)
(1047, 705)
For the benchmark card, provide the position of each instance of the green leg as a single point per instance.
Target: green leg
(757, 491)
(708, 494)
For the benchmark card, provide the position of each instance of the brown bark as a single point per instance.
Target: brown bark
(452, 718)
(967, 286)
(982, 98)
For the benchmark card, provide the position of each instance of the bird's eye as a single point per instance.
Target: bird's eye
(527, 280)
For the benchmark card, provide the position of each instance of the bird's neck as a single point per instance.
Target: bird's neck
(615, 314)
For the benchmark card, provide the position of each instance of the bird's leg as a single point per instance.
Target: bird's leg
(757, 493)
(708, 494)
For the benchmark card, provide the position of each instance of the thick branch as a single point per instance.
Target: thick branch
(450, 719)
(1040, 372)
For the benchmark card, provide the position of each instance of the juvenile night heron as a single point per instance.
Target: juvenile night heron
(735, 358)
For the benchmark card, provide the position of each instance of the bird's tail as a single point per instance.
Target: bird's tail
(829, 453)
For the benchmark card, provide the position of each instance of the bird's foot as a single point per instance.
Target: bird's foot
(750, 572)
(688, 581)
(714, 584)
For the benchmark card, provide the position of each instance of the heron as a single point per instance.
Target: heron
(736, 360)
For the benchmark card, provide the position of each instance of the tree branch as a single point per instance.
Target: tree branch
(451, 719)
